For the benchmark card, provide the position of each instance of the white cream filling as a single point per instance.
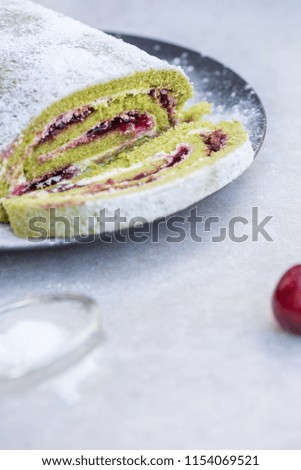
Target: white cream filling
(109, 174)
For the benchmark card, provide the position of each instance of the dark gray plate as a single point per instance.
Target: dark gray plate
(230, 94)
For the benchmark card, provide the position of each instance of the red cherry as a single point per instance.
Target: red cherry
(287, 301)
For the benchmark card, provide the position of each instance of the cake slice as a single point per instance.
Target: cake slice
(161, 176)
(71, 96)
(89, 123)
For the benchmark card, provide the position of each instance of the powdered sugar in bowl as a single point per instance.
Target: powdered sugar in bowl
(43, 335)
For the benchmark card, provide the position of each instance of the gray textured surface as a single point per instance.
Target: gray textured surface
(191, 357)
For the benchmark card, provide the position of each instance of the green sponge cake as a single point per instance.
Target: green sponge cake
(157, 178)
(89, 123)
(71, 95)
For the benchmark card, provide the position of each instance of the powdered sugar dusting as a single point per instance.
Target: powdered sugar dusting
(18, 353)
(46, 56)
(226, 91)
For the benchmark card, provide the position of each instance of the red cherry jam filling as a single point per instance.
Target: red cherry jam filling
(171, 160)
(182, 151)
(214, 140)
(166, 100)
(63, 122)
(286, 301)
(47, 180)
(132, 121)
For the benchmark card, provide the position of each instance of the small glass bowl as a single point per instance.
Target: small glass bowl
(41, 336)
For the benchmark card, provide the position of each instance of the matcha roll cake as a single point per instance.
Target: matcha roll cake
(163, 175)
(71, 95)
(89, 123)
